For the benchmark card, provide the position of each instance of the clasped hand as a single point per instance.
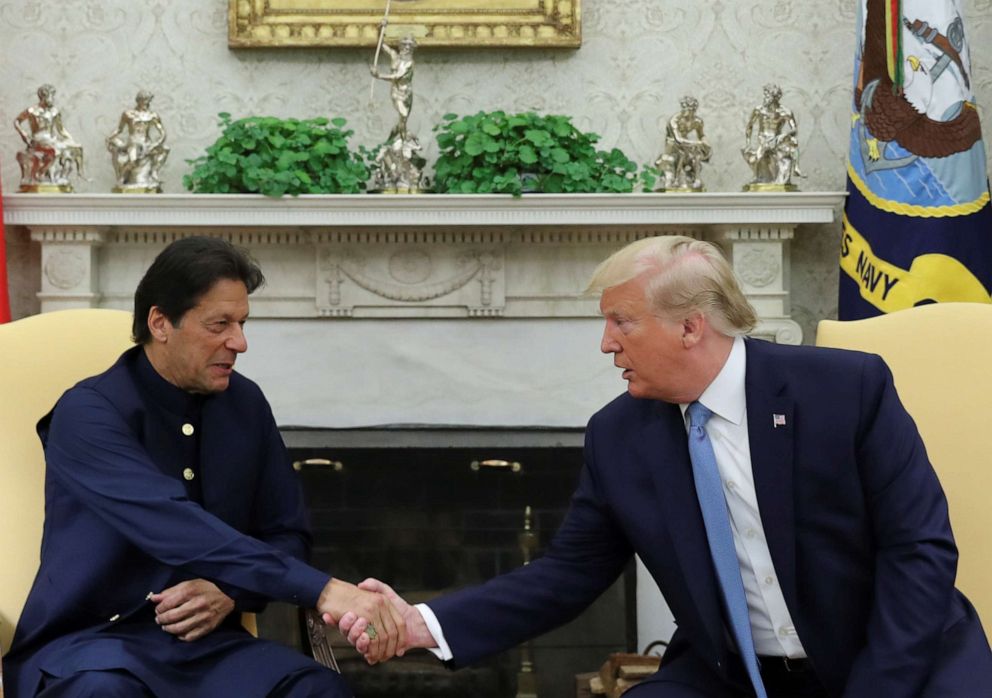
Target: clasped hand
(398, 626)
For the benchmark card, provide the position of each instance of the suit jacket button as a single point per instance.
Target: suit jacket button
(188, 429)
(188, 474)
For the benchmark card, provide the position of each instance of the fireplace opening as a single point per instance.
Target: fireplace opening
(430, 510)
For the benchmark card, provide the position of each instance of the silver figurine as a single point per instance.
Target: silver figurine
(398, 168)
(686, 150)
(51, 154)
(137, 148)
(771, 145)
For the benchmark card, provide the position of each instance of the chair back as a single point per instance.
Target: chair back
(940, 358)
(42, 357)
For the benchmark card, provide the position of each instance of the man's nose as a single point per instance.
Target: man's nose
(237, 342)
(608, 345)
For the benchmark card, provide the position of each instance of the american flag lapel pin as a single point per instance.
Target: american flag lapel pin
(778, 420)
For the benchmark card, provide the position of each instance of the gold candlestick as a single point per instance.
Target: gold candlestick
(526, 679)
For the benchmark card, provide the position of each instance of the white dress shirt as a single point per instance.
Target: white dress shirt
(771, 625)
(442, 651)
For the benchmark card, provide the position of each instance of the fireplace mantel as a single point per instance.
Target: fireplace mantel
(446, 210)
(429, 256)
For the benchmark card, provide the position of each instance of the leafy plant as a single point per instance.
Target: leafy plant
(495, 152)
(272, 156)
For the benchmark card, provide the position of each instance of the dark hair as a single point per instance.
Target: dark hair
(183, 272)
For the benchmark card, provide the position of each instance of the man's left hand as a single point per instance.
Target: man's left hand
(191, 609)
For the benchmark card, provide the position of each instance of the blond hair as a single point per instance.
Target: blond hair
(683, 276)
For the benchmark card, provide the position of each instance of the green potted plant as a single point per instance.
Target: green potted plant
(495, 152)
(272, 156)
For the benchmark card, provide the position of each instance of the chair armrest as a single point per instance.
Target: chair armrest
(316, 635)
(249, 621)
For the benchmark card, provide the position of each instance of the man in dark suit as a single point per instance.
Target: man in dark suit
(170, 503)
(780, 496)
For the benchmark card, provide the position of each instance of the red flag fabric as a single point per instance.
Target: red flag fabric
(4, 293)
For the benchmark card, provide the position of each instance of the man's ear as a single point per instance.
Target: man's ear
(693, 328)
(158, 324)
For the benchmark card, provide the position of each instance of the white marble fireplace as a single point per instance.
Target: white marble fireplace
(419, 309)
(461, 311)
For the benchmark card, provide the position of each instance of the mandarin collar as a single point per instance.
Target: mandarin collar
(164, 393)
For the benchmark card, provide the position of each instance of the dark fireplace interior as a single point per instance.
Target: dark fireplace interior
(429, 510)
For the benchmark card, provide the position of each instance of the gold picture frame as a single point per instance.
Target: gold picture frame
(303, 23)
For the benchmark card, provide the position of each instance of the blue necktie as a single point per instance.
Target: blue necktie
(709, 489)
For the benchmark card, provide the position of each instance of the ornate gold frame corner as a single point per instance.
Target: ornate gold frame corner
(447, 23)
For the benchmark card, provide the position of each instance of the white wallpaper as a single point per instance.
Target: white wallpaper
(637, 59)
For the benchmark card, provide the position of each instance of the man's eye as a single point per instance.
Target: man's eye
(218, 326)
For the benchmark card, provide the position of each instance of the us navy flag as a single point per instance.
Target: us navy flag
(917, 223)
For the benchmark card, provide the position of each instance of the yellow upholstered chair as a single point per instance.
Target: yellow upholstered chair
(940, 358)
(43, 356)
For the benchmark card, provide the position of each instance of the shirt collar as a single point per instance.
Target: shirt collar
(725, 395)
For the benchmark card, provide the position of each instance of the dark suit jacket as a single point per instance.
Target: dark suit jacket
(121, 520)
(855, 519)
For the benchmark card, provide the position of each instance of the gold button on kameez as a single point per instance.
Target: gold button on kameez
(188, 474)
(188, 429)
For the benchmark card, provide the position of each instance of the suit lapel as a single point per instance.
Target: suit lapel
(770, 426)
(665, 447)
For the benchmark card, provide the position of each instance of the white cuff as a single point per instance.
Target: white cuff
(442, 651)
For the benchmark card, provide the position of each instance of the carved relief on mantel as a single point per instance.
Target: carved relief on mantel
(457, 273)
(68, 264)
(758, 268)
(415, 257)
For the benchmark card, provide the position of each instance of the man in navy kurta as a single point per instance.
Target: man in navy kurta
(170, 506)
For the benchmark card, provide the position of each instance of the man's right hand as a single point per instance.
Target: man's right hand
(389, 637)
(417, 633)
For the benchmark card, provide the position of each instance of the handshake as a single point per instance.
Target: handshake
(374, 619)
